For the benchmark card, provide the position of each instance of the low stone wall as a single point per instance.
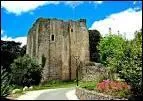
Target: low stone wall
(91, 73)
(84, 94)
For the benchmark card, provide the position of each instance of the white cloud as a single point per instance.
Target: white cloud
(134, 2)
(2, 32)
(73, 4)
(97, 2)
(18, 7)
(137, 2)
(23, 40)
(127, 21)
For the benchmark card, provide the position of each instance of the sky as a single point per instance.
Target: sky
(17, 17)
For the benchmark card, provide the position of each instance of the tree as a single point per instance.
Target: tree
(94, 38)
(10, 50)
(26, 71)
(23, 51)
(111, 49)
(125, 58)
(130, 65)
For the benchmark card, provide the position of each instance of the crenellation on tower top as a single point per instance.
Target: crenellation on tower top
(82, 20)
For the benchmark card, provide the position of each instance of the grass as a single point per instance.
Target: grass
(55, 84)
(90, 85)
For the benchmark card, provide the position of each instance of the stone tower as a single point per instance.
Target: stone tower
(55, 43)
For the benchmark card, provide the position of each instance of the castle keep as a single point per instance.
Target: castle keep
(55, 43)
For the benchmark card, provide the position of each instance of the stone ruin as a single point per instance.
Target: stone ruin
(55, 44)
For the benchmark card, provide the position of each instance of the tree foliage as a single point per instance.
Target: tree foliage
(10, 50)
(94, 38)
(130, 65)
(111, 50)
(124, 57)
(26, 71)
(23, 50)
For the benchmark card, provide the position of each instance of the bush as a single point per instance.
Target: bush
(115, 88)
(26, 71)
(125, 58)
(130, 65)
(5, 80)
(102, 76)
(111, 50)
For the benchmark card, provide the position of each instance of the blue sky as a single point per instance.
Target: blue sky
(18, 17)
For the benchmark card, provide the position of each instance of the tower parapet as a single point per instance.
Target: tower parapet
(82, 20)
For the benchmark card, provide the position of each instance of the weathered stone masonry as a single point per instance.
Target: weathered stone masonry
(58, 41)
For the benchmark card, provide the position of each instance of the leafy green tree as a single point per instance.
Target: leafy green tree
(111, 47)
(23, 50)
(26, 71)
(10, 50)
(111, 50)
(125, 58)
(94, 38)
(130, 65)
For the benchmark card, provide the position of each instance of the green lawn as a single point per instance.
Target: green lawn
(55, 84)
(90, 85)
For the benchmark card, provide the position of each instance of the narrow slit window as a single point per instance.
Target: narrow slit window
(52, 38)
(71, 30)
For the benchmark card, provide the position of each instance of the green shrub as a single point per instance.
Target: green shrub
(111, 50)
(5, 80)
(102, 76)
(125, 58)
(130, 65)
(26, 71)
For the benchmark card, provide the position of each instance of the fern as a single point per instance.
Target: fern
(5, 80)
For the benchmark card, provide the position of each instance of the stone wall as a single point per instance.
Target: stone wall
(84, 94)
(92, 71)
